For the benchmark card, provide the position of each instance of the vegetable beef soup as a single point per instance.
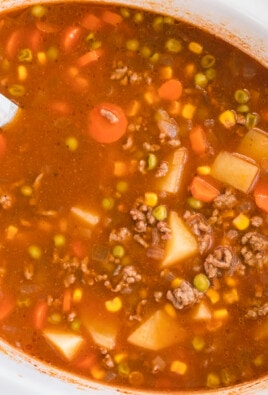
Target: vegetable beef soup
(134, 198)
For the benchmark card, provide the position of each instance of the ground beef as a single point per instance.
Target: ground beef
(202, 229)
(183, 296)
(121, 235)
(162, 170)
(221, 259)
(226, 200)
(258, 311)
(254, 250)
(256, 221)
(6, 200)
(158, 364)
(123, 279)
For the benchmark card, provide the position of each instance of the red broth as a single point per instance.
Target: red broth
(134, 199)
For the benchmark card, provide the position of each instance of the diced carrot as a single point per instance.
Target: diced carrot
(40, 315)
(12, 44)
(204, 189)
(112, 18)
(261, 194)
(3, 146)
(80, 84)
(170, 90)
(67, 300)
(70, 38)
(78, 248)
(198, 140)
(89, 57)
(46, 27)
(91, 22)
(7, 304)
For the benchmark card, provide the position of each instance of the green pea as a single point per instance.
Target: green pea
(107, 203)
(125, 12)
(25, 55)
(52, 53)
(201, 282)
(210, 74)
(76, 325)
(195, 203)
(158, 23)
(207, 61)
(198, 343)
(160, 212)
(118, 251)
(55, 318)
(155, 58)
(173, 45)
(138, 17)
(122, 186)
(242, 96)
(242, 108)
(201, 80)
(146, 52)
(251, 120)
(123, 369)
(168, 20)
(24, 301)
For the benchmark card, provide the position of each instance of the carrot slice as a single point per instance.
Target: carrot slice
(261, 194)
(91, 22)
(7, 304)
(111, 18)
(107, 123)
(46, 27)
(40, 315)
(203, 189)
(170, 90)
(198, 140)
(71, 35)
(89, 57)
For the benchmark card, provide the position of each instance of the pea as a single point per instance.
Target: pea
(17, 90)
(25, 55)
(146, 52)
(125, 12)
(75, 325)
(138, 17)
(207, 61)
(201, 80)
(52, 53)
(195, 203)
(210, 74)
(168, 20)
(118, 251)
(160, 212)
(242, 96)
(242, 108)
(123, 369)
(158, 23)
(122, 186)
(201, 282)
(59, 240)
(132, 45)
(173, 45)
(107, 203)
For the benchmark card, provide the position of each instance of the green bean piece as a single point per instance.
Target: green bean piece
(208, 61)
(252, 120)
(210, 74)
(123, 369)
(242, 96)
(17, 90)
(25, 55)
(173, 45)
(160, 212)
(201, 282)
(198, 343)
(200, 80)
(242, 108)
(138, 17)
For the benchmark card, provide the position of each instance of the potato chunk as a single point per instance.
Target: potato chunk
(68, 344)
(182, 244)
(235, 170)
(159, 331)
(254, 144)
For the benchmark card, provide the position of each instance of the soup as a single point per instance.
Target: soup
(134, 199)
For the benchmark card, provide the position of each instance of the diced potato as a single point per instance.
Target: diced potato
(157, 332)
(235, 170)
(182, 244)
(172, 181)
(85, 216)
(202, 312)
(103, 331)
(68, 344)
(254, 144)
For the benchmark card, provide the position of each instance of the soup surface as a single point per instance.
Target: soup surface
(134, 199)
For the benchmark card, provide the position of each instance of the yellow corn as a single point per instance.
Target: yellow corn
(150, 199)
(228, 214)
(178, 367)
(195, 47)
(213, 380)
(227, 118)
(114, 305)
(213, 295)
(230, 281)
(188, 111)
(170, 310)
(220, 314)
(166, 72)
(241, 222)
(174, 107)
(77, 295)
(133, 108)
(198, 343)
(176, 282)
(22, 73)
(150, 97)
(231, 296)
(97, 373)
(203, 170)
(42, 58)
(118, 358)
(11, 232)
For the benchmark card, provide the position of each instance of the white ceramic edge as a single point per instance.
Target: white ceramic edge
(242, 22)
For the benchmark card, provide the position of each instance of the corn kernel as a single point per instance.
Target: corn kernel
(188, 111)
(11, 232)
(241, 222)
(228, 118)
(150, 199)
(22, 73)
(198, 343)
(178, 367)
(42, 58)
(220, 314)
(114, 305)
(228, 214)
(176, 282)
(213, 295)
(166, 72)
(190, 70)
(213, 380)
(118, 358)
(97, 373)
(230, 281)
(203, 170)
(231, 296)
(170, 310)
(77, 295)
(174, 107)
(151, 97)
(195, 47)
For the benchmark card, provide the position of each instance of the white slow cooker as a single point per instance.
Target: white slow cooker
(244, 23)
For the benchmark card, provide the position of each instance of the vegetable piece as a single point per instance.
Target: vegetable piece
(8, 111)
(91, 22)
(7, 304)
(198, 140)
(103, 331)
(254, 144)
(66, 343)
(112, 18)
(40, 315)
(235, 170)
(182, 244)
(261, 194)
(173, 180)
(202, 312)
(85, 216)
(157, 332)
(204, 189)
(170, 90)
(178, 367)
(107, 123)
(70, 37)
(89, 57)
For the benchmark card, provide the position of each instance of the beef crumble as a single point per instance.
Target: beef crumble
(183, 296)
(221, 259)
(254, 250)
(202, 229)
